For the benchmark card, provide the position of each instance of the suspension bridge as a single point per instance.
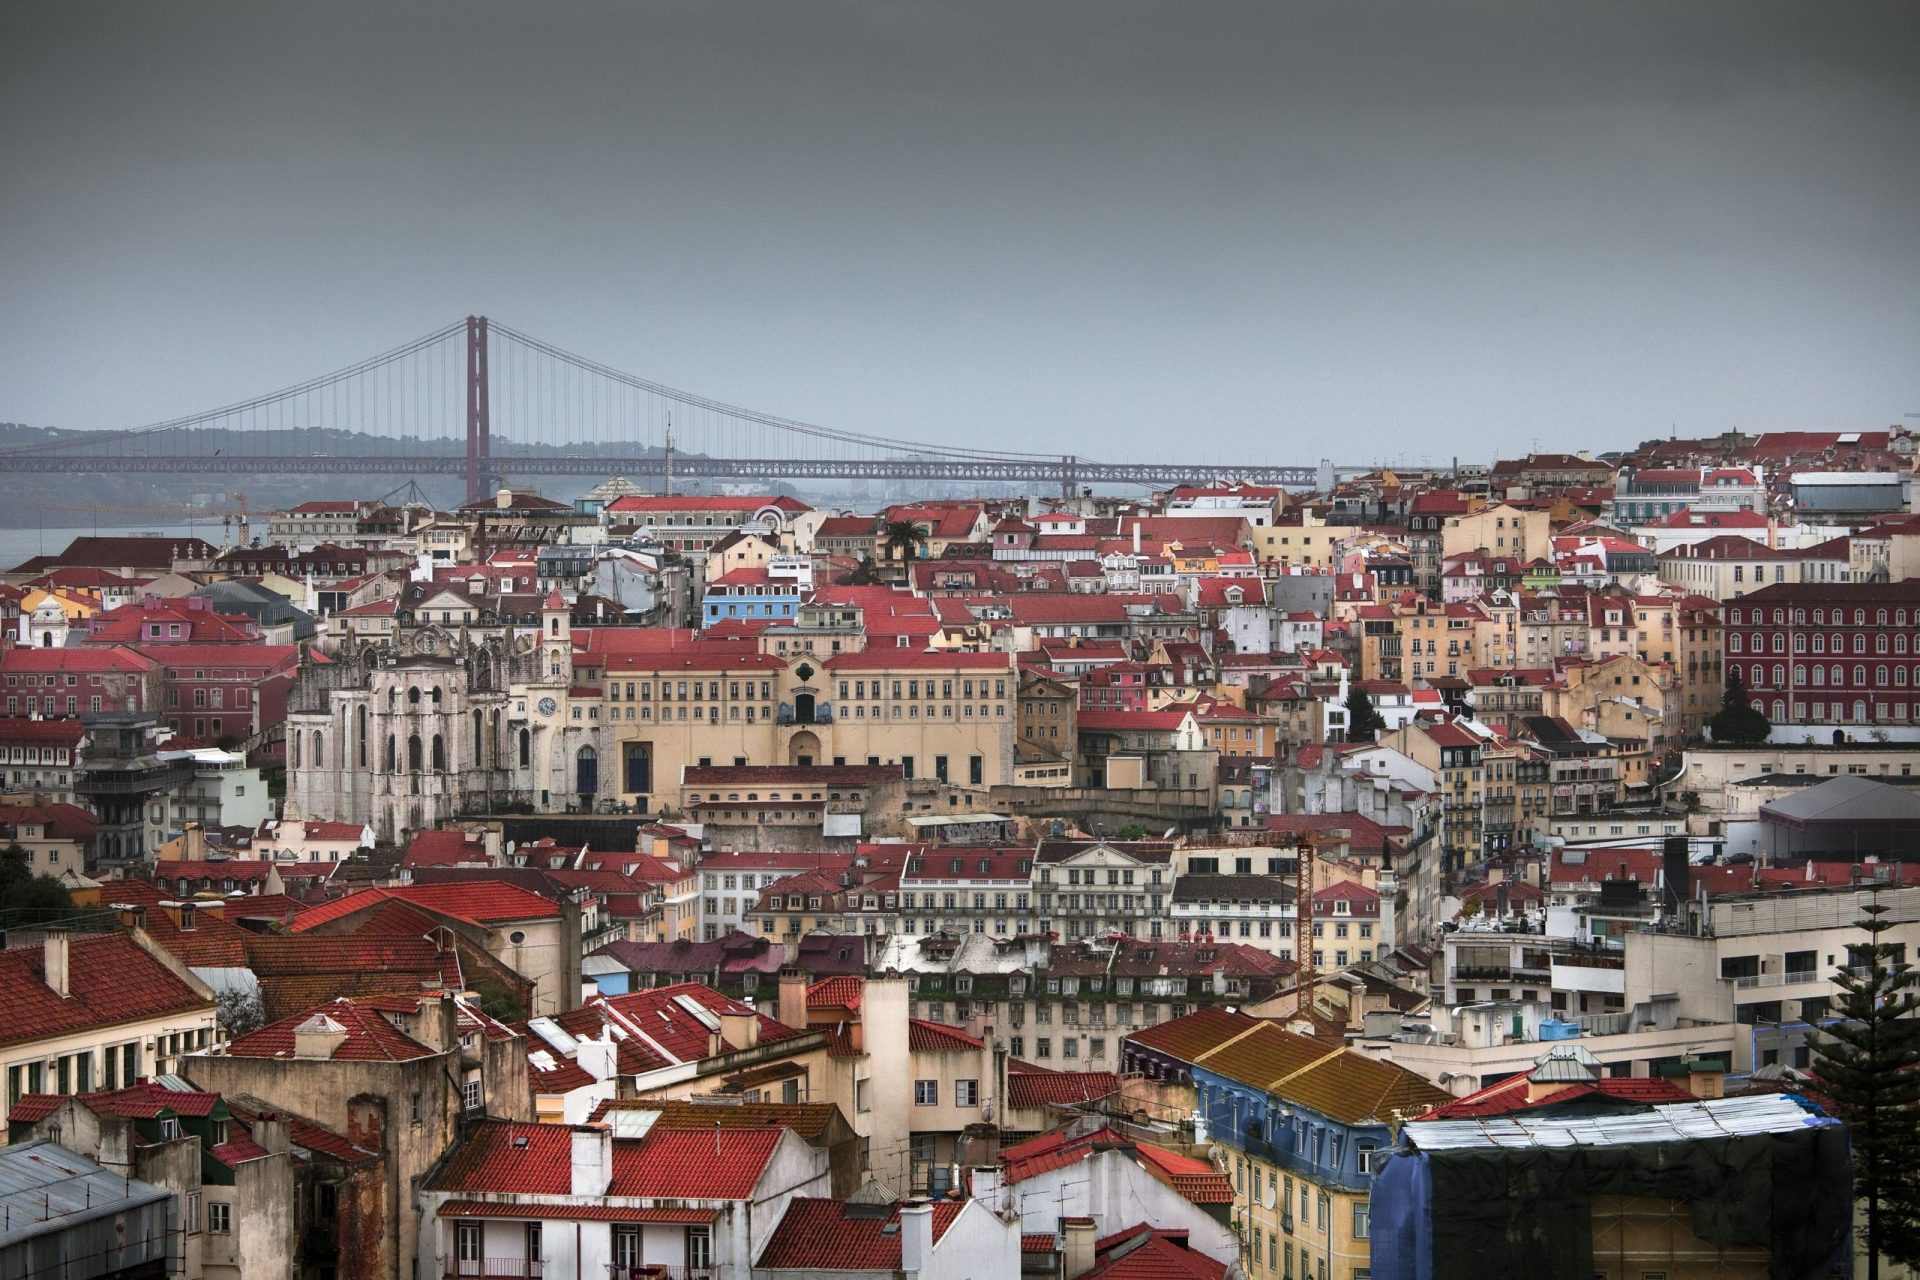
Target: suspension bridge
(483, 401)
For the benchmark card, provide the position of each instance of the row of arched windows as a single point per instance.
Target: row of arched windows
(1820, 674)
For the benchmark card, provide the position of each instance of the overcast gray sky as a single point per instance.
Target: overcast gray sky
(1259, 231)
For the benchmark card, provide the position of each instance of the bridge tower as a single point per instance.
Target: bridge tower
(479, 400)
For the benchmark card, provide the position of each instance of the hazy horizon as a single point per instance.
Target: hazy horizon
(1387, 231)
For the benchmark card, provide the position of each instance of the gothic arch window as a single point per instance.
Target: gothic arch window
(392, 752)
(319, 750)
(526, 749)
(493, 742)
(413, 695)
(434, 694)
(439, 754)
(413, 753)
(360, 732)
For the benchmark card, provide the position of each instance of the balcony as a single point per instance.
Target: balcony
(1787, 978)
(479, 1268)
(657, 1271)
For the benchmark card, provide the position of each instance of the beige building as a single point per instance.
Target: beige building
(1626, 700)
(96, 1011)
(1300, 540)
(1499, 529)
(945, 716)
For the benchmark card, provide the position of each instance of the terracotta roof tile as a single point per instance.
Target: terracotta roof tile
(1059, 1088)
(938, 1037)
(110, 981)
(822, 1235)
(369, 1036)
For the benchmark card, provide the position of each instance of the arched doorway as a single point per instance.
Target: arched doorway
(803, 749)
(586, 767)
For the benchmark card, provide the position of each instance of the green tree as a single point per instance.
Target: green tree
(21, 890)
(239, 1010)
(1868, 1062)
(1738, 720)
(1364, 722)
(864, 574)
(902, 539)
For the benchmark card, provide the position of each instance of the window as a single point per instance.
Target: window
(193, 1213)
(926, 1093)
(416, 1108)
(470, 1093)
(219, 1217)
(966, 1093)
(1360, 1221)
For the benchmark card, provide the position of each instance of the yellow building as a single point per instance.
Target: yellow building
(949, 716)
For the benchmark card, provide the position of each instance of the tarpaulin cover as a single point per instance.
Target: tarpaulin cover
(1471, 1214)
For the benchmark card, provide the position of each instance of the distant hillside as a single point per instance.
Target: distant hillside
(72, 501)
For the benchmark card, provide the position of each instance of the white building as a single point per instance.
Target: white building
(224, 790)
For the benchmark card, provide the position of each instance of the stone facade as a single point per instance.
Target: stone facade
(406, 737)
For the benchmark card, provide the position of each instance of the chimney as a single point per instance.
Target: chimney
(916, 1237)
(1077, 1256)
(504, 498)
(793, 999)
(986, 1185)
(54, 951)
(740, 1030)
(270, 1132)
(592, 1160)
(598, 1058)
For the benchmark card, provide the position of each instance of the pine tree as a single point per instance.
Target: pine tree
(1364, 723)
(1868, 1063)
(1738, 720)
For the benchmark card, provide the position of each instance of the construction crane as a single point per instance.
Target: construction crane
(1303, 846)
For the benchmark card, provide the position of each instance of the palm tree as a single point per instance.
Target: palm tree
(904, 537)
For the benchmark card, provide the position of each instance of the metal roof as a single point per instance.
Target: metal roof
(1674, 1122)
(45, 1187)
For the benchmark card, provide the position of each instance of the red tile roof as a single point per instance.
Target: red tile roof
(686, 1164)
(840, 992)
(938, 1037)
(821, 1235)
(475, 901)
(505, 1157)
(1510, 1095)
(370, 1037)
(1197, 1180)
(110, 980)
(446, 849)
(142, 1100)
(1059, 1088)
(576, 1212)
(1145, 1253)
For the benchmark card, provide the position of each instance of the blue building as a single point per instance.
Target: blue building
(1300, 1119)
(748, 595)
